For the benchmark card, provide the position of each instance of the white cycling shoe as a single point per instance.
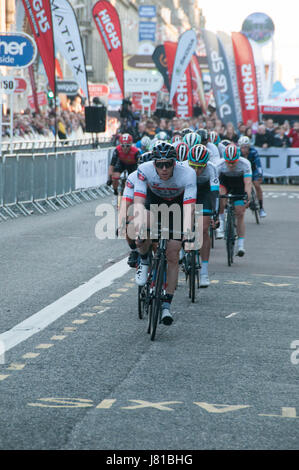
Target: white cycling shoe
(204, 280)
(219, 233)
(241, 251)
(141, 274)
(166, 317)
(262, 213)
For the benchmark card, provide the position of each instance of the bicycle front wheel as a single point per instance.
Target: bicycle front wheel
(230, 239)
(157, 298)
(192, 277)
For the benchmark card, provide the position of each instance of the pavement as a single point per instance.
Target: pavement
(224, 375)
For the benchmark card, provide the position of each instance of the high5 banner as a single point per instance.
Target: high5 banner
(183, 99)
(40, 19)
(221, 79)
(108, 25)
(246, 77)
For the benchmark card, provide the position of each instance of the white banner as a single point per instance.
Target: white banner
(68, 40)
(186, 48)
(91, 168)
(259, 70)
(277, 162)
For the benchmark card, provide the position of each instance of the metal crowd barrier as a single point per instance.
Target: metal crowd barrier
(42, 180)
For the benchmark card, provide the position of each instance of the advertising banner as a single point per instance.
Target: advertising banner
(147, 11)
(40, 19)
(68, 40)
(108, 24)
(147, 31)
(183, 98)
(159, 59)
(185, 49)
(259, 70)
(197, 83)
(220, 78)
(91, 168)
(246, 77)
(227, 45)
(278, 162)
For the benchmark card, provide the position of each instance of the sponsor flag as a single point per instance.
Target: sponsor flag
(220, 78)
(68, 40)
(108, 24)
(183, 99)
(246, 77)
(159, 59)
(185, 49)
(40, 20)
(227, 45)
(197, 83)
(259, 70)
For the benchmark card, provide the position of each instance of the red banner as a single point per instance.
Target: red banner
(40, 18)
(246, 77)
(197, 84)
(107, 22)
(183, 99)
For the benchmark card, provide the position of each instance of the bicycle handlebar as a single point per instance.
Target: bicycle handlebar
(234, 196)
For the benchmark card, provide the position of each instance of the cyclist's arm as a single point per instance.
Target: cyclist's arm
(139, 211)
(248, 186)
(112, 163)
(190, 194)
(214, 190)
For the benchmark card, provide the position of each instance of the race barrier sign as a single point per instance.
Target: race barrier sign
(7, 85)
(279, 162)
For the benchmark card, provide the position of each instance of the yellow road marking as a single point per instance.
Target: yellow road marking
(105, 404)
(122, 289)
(147, 404)
(30, 355)
(3, 377)
(271, 284)
(285, 413)
(129, 284)
(88, 314)
(69, 329)
(63, 403)
(107, 301)
(79, 322)
(15, 366)
(214, 408)
(58, 337)
(243, 283)
(44, 346)
(115, 295)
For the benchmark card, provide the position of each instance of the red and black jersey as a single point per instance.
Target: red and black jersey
(130, 158)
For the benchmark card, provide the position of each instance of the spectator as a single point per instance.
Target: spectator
(294, 134)
(263, 137)
(230, 133)
(249, 133)
(280, 138)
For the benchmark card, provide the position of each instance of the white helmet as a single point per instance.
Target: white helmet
(244, 140)
(162, 135)
(145, 142)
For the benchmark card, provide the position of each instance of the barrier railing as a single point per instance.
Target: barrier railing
(43, 180)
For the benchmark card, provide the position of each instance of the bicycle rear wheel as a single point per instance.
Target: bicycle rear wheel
(212, 236)
(157, 298)
(255, 207)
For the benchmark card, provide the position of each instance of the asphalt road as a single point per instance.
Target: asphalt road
(224, 375)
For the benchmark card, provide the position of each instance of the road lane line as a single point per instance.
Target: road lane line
(40, 320)
(232, 314)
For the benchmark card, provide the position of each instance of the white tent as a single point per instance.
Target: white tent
(286, 103)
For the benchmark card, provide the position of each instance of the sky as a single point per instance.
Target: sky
(228, 16)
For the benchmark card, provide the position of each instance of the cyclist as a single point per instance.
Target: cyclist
(214, 137)
(176, 138)
(204, 140)
(144, 144)
(125, 157)
(257, 171)
(126, 202)
(191, 139)
(235, 176)
(222, 145)
(207, 195)
(162, 135)
(159, 182)
(182, 150)
(186, 130)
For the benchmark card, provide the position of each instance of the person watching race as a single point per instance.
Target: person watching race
(257, 171)
(235, 177)
(125, 157)
(159, 182)
(126, 202)
(207, 195)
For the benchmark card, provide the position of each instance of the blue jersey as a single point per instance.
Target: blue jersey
(255, 161)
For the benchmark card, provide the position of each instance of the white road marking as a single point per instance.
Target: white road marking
(232, 314)
(40, 320)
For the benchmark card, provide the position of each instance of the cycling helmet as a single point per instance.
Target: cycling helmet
(244, 140)
(225, 142)
(126, 139)
(162, 135)
(182, 150)
(214, 137)
(231, 153)
(177, 137)
(145, 157)
(198, 155)
(163, 150)
(192, 139)
(185, 131)
(204, 136)
(145, 142)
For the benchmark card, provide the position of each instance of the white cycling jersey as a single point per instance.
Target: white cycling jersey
(208, 175)
(214, 153)
(182, 182)
(242, 168)
(128, 193)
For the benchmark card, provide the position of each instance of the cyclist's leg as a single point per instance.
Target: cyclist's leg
(172, 255)
(205, 251)
(240, 216)
(257, 181)
(222, 203)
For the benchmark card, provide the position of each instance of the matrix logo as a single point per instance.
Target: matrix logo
(16, 50)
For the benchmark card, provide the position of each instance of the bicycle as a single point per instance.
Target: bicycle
(230, 225)
(254, 205)
(191, 267)
(152, 294)
(121, 186)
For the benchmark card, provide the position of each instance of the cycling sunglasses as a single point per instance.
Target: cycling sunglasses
(161, 165)
(126, 146)
(197, 165)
